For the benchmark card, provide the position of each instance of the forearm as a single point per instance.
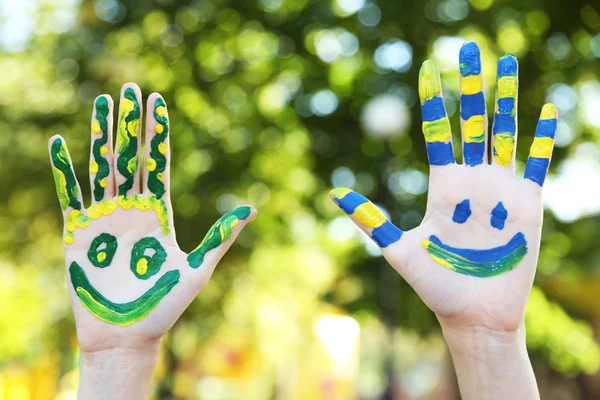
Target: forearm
(116, 374)
(492, 365)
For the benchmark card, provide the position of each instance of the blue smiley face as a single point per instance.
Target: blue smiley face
(478, 262)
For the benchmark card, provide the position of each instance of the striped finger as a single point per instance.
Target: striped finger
(128, 143)
(543, 144)
(101, 154)
(436, 126)
(156, 165)
(505, 118)
(472, 105)
(366, 216)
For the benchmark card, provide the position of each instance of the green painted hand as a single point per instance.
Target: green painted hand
(126, 272)
(473, 258)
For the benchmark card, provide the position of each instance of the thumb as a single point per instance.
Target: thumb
(220, 236)
(366, 216)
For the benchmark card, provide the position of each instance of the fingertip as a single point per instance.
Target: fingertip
(339, 193)
(549, 111)
(507, 65)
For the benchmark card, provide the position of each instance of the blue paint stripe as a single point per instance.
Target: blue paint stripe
(504, 123)
(473, 153)
(440, 153)
(472, 104)
(483, 256)
(499, 215)
(350, 201)
(507, 66)
(462, 212)
(433, 109)
(469, 59)
(506, 105)
(536, 169)
(386, 234)
(546, 128)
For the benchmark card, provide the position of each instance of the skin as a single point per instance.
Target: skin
(482, 317)
(114, 355)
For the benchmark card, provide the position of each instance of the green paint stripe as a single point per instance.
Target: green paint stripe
(103, 168)
(217, 234)
(128, 143)
(125, 313)
(154, 184)
(479, 269)
(64, 178)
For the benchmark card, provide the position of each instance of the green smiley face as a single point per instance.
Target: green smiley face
(147, 256)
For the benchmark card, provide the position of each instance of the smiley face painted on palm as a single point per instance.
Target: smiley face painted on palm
(478, 262)
(104, 229)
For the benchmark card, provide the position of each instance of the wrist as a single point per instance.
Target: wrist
(117, 373)
(491, 364)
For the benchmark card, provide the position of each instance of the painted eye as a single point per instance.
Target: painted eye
(462, 212)
(102, 250)
(499, 215)
(147, 256)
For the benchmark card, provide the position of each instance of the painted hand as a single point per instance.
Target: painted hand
(129, 281)
(473, 258)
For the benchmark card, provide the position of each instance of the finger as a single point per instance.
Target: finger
(220, 236)
(67, 187)
(101, 154)
(366, 216)
(543, 143)
(156, 153)
(436, 126)
(472, 105)
(505, 118)
(128, 144)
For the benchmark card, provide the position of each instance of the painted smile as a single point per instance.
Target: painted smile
(120, 313)
(481, 263)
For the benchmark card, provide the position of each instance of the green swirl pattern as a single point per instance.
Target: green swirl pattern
(127, 140)
(102, 168)
(157, 163)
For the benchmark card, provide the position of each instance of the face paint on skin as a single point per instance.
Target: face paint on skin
(127, 139)
(462, 212)
(142, 265)
(543, 143)
(217, 234)
(157, 162)
(479, 263)
(99, 165)
(499, 215)
(122, 314)
(472, 104)
(102, 250)
(64, 178)
(77, 219)
(368, 215)
(436, 126)
(505, 125)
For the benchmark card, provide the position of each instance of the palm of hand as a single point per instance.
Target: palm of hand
(482, 223)
(497, 302)
(129, 281)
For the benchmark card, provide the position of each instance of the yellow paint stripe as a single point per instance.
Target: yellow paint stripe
(470, 84)
(437, 131)
(368, 215)
(430, 84)
(474, 129)
(507, 87)
(542, 147)
(504, 143)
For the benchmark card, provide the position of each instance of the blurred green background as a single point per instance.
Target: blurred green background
(273, 102)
